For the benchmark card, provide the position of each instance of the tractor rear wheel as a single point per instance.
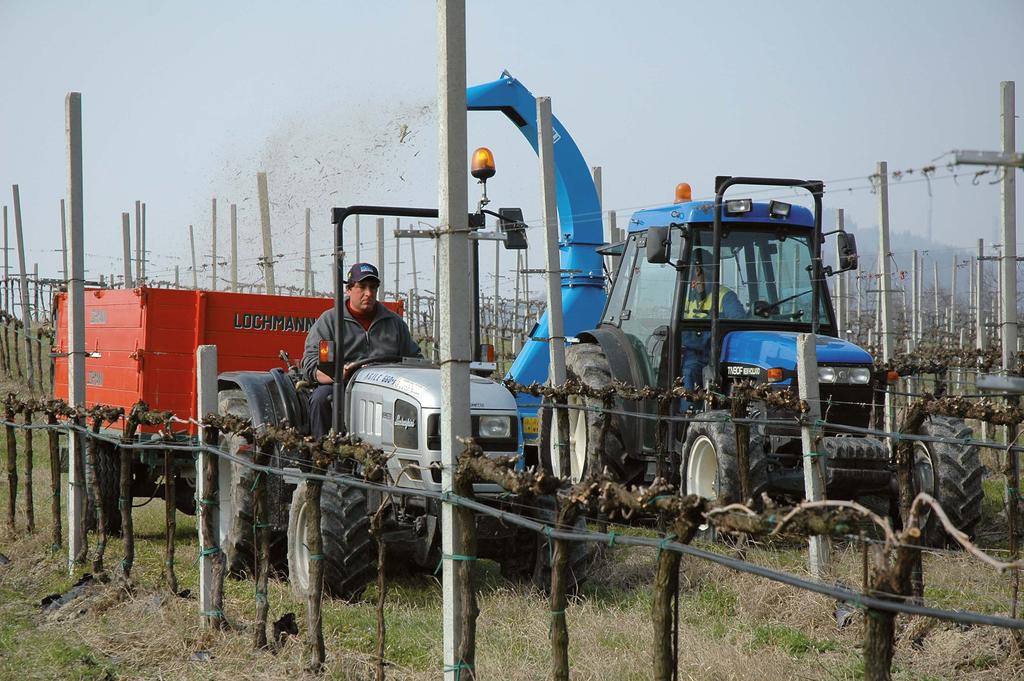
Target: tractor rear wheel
(710, 466)
(951, 473)
(587, 364)
(349, 553)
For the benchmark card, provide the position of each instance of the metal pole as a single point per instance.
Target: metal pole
(26, 317)
(842, 317)
(454, 306)
(981, 343)
(268, 246)
(63, 239)
(234, 248)
(814, 464)
(380, 252)
(76, 324)
(888, 339)
(307, 279)
(1009, 220)
(213, 246)
(192, 246)
(126, 239)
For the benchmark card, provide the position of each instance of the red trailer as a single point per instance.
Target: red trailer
(142, 342)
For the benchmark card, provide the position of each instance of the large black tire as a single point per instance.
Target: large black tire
(349, 549)
(587, 364)
(710, 467)
(528, 557)
(951, 473)
(234, 502)
(108, 467)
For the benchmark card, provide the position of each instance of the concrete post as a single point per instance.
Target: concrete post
(952, 321)
(842, 317)
(234, 248)
(496, 337)
(915, 290)
(138, 240)
(206, 403)
(546, 152)
(1009, 220)
(126, 238)
(142, 261)
(192, 247)
(935, 291)
(398, 256)
(7, 270)
(177, 278)
(308, 262)
(26, 315)
(380, 253)
(76, 326)
(453, 311)
(888, 335)
(213, 244)
(415, 290)
(814, 464)
(981, 342)
(268, 245)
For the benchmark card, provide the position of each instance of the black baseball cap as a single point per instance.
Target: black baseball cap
(360, 271)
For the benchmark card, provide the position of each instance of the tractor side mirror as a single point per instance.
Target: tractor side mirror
(847, 252)
(659, 245)
(510, 221)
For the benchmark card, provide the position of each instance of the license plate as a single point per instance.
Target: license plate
(531, 425)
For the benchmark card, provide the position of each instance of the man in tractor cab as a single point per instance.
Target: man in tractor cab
(372, 331)
(697, 342)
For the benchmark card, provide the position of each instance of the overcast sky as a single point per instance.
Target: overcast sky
(185, 101)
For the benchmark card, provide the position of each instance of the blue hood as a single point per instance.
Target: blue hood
(767, 349)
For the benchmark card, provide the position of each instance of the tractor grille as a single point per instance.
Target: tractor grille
(848, 405)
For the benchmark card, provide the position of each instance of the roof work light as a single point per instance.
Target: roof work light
(778, 209)
(738, 206)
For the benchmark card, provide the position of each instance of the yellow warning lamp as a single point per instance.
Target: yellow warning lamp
(483, 164)
(683, 192)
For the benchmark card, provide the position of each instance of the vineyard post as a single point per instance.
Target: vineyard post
(951, 322)
(453, 299)
(516, 326)
(937, 324)
(398, 257)
(842, 306)
(811, 433)
(888, 335)
(126, 241)
(30, 514)
(211, 559)
(915, 301)
(93, 457)
(981, 338)
(142, 247)
(26, 318)
(12, 464)
(380, 253)
(124, 500)
(496, 338)
(138, 240)
(234, 248)
(414, 297)
(261, 530)
(76, 325)
(177, 278)
(268, 243)
(307, 277)
(213, 244)
(192, 247)
(54, 442)
(170, 521)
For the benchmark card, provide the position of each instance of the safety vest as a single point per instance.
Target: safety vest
(699, 309)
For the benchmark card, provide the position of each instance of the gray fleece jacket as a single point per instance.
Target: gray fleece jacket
(388, 335)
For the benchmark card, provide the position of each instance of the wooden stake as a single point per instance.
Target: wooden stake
(30, 516)
(124, 501)
(54, 442)
(559, 568)
(12, 464)
(314, 621)
(94, 486)
(261, 528)
(382, 589)
(170, 521)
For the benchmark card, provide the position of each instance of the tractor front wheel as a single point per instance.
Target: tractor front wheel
(710, 467)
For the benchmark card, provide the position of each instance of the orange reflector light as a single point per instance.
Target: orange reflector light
(486, 352)
(892, 376)
(326, 351)
(775, 374)
(683, 192)
(483, 164)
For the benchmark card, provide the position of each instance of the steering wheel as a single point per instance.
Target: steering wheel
(376, 359)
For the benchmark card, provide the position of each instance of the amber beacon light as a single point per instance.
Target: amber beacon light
(483, 164)
(683, 192)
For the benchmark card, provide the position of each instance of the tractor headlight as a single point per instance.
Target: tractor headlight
(860, 376)
(495, 427)
(826, 375)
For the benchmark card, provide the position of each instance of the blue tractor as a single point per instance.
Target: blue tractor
(714, 293)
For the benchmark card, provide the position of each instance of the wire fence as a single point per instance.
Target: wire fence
(893, 584)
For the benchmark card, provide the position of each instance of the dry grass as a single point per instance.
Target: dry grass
(732, 626)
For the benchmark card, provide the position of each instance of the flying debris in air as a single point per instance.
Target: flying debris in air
(403, 132)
